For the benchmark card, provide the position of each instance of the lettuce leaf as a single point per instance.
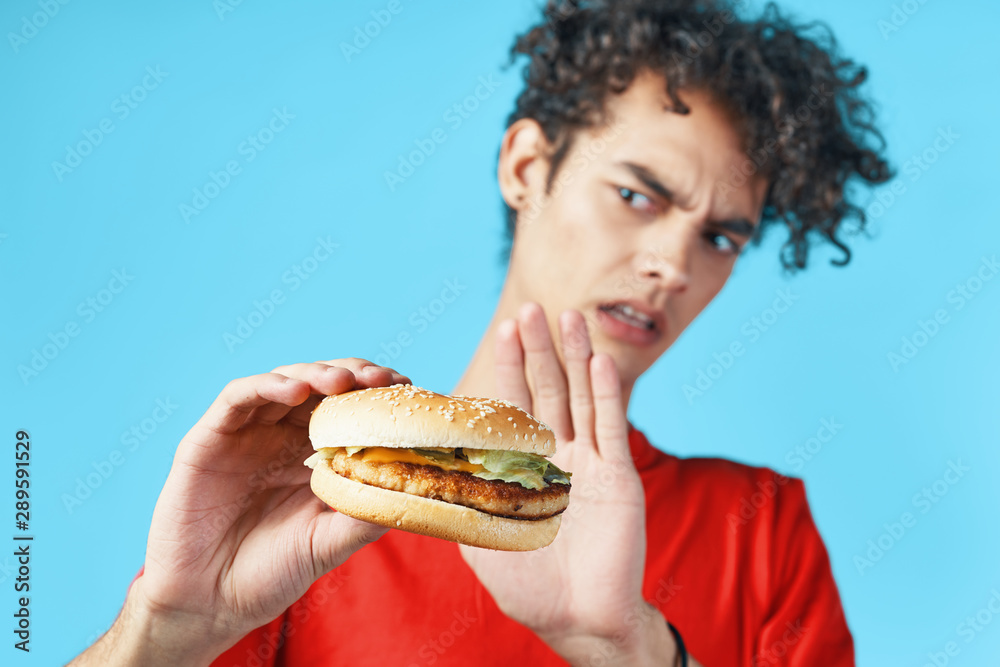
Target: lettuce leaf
(529, 470)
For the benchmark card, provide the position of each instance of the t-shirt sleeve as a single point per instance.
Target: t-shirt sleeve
(805, 624)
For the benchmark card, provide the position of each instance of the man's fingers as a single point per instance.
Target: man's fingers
(610, 423)
(316, 375)
(337, 536)
(576, 359)
(322, 380)
(369, 374)
(364, 374)
(551, 399)
(238, 399)
(511, 383)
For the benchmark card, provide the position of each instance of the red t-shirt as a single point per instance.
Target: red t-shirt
(734, 561)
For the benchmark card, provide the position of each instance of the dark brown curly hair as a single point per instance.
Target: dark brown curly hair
(805, 124)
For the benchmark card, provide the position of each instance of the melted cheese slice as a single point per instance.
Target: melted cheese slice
(397, 455)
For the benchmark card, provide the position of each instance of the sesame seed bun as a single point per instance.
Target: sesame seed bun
(406, 416)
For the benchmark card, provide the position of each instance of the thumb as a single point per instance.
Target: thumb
(337, 536)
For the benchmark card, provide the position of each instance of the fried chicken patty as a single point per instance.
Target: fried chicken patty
(493, 496)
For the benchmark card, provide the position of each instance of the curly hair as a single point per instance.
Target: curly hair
(796, 100)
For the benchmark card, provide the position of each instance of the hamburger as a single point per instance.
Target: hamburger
(468, 470)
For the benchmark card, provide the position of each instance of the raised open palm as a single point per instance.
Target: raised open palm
(588, 582)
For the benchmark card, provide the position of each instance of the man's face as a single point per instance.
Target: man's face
(636, 233)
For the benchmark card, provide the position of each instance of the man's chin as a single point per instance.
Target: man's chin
(630, 361)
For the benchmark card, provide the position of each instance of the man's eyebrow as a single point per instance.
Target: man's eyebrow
(648, 179)
(740, 226)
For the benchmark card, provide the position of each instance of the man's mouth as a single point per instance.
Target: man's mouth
(630, 324)
(629, 315)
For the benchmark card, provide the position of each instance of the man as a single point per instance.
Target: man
(651, 144)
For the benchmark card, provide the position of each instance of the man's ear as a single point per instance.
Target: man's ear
(523, 166)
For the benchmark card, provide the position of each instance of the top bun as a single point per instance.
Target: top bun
(405, 416)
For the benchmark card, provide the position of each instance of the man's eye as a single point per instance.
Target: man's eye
(722, 243)
(635, 199)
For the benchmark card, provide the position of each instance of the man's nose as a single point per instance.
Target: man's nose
(667, 265)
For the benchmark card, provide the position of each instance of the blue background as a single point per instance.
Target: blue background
(162, 337)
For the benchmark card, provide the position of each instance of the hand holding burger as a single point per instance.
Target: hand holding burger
(237, 536)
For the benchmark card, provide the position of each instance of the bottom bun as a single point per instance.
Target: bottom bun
(425, 516)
